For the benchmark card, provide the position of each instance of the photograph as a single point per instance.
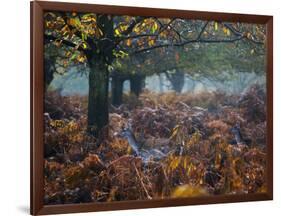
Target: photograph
(152, 107)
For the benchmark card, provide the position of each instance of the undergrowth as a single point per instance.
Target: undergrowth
(193, 130)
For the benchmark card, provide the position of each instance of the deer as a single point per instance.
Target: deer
(139, 148)
(239, 140)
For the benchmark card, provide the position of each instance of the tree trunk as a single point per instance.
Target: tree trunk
(99, 58)
(49, 70)
(177, 80)
(98, 98)
(116, 90)
(161, 83)
(136, 84)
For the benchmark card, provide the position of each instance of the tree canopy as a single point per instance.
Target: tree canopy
(133, 35)
(151, 45)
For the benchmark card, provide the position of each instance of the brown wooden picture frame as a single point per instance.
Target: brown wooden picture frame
(37, 96)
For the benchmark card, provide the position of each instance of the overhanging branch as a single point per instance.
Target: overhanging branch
(198, 40)
(241, 34)
(238, 36)
(51, 38)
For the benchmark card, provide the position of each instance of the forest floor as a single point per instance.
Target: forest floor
(196, 132)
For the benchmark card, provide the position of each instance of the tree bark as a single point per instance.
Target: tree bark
(137, 83)
(98, 98)
(49, 70)
(116, 90)
(99, 58)
(176, 79)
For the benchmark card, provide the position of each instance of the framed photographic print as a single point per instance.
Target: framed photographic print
(139, 107)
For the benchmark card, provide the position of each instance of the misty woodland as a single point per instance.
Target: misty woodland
(140, 108)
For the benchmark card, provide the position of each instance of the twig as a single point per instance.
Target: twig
(142, 184)
(185, 105)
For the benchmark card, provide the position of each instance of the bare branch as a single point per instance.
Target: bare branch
(202, 30)
(240, 34)
(138, 36)
(189, 42)
(51, 38)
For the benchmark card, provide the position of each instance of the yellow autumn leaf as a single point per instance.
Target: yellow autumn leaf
(67, 54)
(185, 162)
(151, 42)
(228, 32)
(117, 32)
(94, 19)
(91, 31)
(154, 27)
(49, 24)
(175, 163)
(88, 18)
(84, 45)
(72, 22)
(174, 131)
(123, 27)
(81, 58)
(216, 26)
(56, 123)
(129, 150)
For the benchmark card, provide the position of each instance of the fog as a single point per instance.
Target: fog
(73, 82)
